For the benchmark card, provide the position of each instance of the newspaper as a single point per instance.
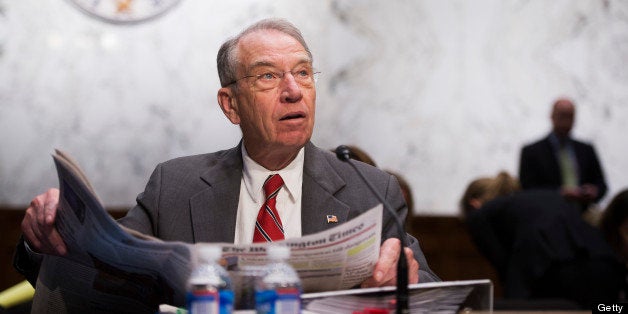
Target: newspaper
(434, 297)
(110, 268)
(338, 258)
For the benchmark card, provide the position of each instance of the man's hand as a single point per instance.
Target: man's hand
(38, 224)
(385, 271)
(571, 194)
(589, 192)
(584, 194)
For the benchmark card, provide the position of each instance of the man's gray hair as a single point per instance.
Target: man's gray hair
(227, 58)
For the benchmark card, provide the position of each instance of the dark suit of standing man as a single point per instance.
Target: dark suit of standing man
(560, 162)
(268, 90)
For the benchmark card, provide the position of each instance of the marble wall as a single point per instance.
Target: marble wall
(441, 91)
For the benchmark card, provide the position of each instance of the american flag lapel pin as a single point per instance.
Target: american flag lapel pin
(332, 219)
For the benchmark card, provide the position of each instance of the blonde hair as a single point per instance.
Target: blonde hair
(488, 188)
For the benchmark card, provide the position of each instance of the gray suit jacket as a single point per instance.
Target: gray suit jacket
(195, 198)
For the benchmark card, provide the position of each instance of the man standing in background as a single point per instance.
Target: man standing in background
(560, 162)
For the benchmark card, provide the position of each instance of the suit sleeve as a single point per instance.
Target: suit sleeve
(27, 262)
(143, 217)
(395, 198)
(526, 169)
(597, 175)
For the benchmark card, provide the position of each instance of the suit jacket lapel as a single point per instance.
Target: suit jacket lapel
(217, 206)
(320, 184)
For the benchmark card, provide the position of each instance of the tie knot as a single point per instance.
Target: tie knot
(272, 185)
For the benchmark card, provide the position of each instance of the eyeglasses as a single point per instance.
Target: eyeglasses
(271, 79)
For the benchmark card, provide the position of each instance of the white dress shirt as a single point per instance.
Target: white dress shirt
(252, 197)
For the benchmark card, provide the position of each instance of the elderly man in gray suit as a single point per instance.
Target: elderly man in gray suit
(268, 90)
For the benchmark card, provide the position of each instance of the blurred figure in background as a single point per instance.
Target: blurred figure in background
(539, 244)
(614, 225)
(560, 162)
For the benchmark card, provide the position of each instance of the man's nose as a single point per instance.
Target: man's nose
(290, 89)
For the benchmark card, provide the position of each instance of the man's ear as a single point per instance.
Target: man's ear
(228, 104)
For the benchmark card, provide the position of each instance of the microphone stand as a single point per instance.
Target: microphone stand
(342, 152)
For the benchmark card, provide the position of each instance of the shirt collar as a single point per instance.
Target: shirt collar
(556, 142)
(255, 174)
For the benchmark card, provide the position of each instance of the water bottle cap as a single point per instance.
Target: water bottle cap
(278, 252)
(210, 252)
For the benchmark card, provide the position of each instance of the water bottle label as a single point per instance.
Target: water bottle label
(203, 302)
(226, 301)
(288, 301)
(210, 302)
(280, 301)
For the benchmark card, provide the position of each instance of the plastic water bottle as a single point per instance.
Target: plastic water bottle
(209, 286)
(279, 290)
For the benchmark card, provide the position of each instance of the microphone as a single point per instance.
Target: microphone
(343, 153)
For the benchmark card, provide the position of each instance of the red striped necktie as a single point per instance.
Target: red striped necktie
(268, 226)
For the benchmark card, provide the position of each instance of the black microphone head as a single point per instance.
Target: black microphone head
(343, 152)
